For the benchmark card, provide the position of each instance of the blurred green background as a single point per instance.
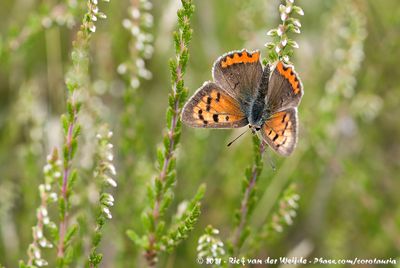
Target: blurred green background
(346, 166)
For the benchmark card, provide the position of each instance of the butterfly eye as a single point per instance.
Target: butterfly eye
(258, 128)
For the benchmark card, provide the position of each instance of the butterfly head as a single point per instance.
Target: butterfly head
(254, 128)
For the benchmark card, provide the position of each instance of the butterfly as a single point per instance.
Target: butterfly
(244, 93)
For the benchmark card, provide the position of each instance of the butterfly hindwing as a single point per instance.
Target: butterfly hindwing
(213, 107)
(239, 73)
(285, 89)
(280, 131)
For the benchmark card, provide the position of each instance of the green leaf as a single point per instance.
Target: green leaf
(170, 114)
(160, 228)
(65, 124)
(70, 233)
(96, 238)
(77, 131)
(167, 142)
(146, 221)
(61, 206)
(72, 180)
(69, 256)
(133, 236)
(74, 147)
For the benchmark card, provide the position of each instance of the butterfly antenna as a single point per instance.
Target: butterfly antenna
(229, 144)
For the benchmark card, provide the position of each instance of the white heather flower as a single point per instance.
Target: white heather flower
(300, 11)
(111, 182)
(135, 30)
(106, 211)
(40, 262)
(286, 58)
(53, 196)
(147, 5)
(284, 16)
(101, 15)
(47, 187)
(122, 68)
(294, 44)
(36, 253)
(271, 32)
(140, 63)
(288, 219)
(92, 28)
(135, 13)
(135, 82)
(108, 197)
(127, 23)
(139, 45)
(46, 220)
(44, 212)
(297, 23)
(39, 233)
(46, 168)
(111, 168)
(95, 9)
(279, 31)
(41, 188)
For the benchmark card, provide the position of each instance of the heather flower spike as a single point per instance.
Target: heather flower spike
(281, 48)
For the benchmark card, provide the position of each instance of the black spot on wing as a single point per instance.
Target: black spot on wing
(215, 118)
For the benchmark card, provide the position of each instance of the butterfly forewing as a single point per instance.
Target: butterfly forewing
(239, 73)
(285, 89)
(212, 107)
(280, 131)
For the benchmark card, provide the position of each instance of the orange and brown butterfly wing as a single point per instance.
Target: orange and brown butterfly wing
(280, 131)
(285, 89)
(213, 107)
(239, 73)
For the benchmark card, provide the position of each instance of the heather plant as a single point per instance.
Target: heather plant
(77, 79)
(160, 192)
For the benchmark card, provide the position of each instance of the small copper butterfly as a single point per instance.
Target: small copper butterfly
(244, 93)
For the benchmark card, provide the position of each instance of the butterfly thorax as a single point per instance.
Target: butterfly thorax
(257, 115)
